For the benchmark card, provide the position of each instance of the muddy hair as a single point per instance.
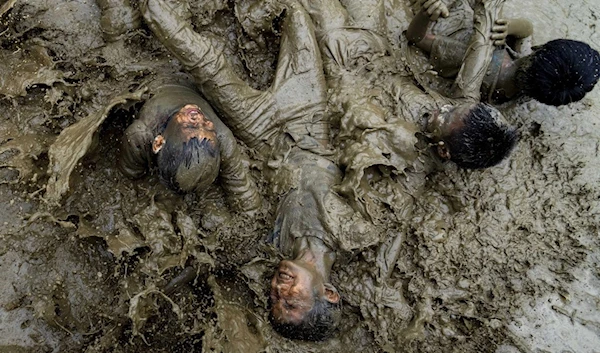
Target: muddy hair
(560, 72)
(483, 141)
(319, 324)
(198, 155)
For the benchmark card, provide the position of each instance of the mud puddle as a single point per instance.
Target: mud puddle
(515, 262)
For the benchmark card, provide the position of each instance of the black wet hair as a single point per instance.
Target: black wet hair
(483, 141)
(318, 324)
(196, 153)
(560, 72)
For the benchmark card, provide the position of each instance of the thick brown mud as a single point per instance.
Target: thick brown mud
(500, 260)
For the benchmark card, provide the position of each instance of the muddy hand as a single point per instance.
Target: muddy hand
(154, 10)
(435, 9)
(500, 31)
(117, 18)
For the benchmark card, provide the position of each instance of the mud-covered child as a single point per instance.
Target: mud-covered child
(179, 133)
(559, 72)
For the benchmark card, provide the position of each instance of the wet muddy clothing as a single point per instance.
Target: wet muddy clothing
(312, 209)
(459, 23)
(463, 39)
(137, 156)
(447, 56)
(294, 103)
(347, 47)
(382, 162)
(286, 124)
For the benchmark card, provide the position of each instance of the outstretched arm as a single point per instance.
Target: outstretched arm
(247, 111)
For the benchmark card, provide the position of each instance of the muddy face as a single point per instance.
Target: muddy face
(194, 123)
(188, 123)
(293, 290)
(446, 121)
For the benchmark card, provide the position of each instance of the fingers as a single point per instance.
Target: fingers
(435, 9)
(499, 38)
(499, 32)
(428, 3)
(444, 11)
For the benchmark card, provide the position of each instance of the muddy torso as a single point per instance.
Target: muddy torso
(311, 208)
(302, 212)
(447, 56)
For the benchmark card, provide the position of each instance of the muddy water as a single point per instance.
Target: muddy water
(500, 260)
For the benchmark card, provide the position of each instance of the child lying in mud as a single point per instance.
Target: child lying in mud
(179, 132)
(556, 73)
(378, 140)
(287, 128)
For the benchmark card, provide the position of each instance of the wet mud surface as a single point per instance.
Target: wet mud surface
(500, 260)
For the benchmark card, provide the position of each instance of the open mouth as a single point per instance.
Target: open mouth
(195, 114)
(285, 276)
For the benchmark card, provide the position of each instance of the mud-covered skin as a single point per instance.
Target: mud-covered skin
(488, 249)
(137, 156)
(292, 130)
(447, 55)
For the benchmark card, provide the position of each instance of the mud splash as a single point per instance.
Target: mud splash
(88, 275)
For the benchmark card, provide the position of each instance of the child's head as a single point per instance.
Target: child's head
(471, 135)
(560, 72)
(188, 154)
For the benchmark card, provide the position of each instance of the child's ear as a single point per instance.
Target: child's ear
(443, 151)
(331, 293)
(158, 143)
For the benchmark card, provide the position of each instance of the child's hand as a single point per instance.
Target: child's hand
(515, 27)
(500, 31)
(434, 8)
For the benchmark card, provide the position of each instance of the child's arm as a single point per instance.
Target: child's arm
(518, 28)
(417, 30)
(234, 175)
